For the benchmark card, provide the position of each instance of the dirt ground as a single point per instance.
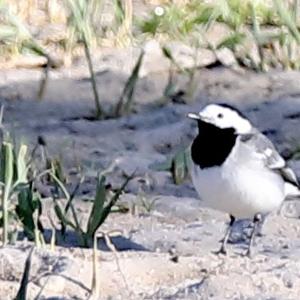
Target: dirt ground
(142, 267)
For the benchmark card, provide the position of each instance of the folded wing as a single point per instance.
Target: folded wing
(272, 160)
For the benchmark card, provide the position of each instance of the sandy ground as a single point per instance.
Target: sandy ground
(142, 268)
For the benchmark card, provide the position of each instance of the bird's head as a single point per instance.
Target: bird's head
(223, 116)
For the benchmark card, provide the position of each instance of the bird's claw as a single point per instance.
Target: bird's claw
(221, 251)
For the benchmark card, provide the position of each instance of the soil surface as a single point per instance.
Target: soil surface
(164, 218)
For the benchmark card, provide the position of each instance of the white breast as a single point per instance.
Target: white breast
(242, 186)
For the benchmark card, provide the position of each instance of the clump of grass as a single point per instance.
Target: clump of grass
(270, 28)
(178, 165)
(261, 35)
(16, 183)
(81, 24)
(29, 210)
(101, 208)
(22, 203)
(14, 34)
(83, 29)
(187, 21)
(146, 203)
(16, 39)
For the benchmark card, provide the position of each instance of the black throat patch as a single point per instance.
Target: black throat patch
(212, 145)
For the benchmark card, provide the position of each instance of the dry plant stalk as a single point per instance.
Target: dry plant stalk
(55, 12)
(124, 35)
(95, 292)
(113, 249)
(7, 180)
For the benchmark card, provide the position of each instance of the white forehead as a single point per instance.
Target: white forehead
(230, 118)
(214, 109)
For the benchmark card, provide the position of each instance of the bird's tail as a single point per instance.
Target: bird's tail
(292, 192)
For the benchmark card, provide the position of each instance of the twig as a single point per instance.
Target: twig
(44, 82)
(113, 249)
(95, 279)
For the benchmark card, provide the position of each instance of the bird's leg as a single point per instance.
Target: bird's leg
(227, 235)
(256, 221)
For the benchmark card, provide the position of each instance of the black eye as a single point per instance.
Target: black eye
(220, 116)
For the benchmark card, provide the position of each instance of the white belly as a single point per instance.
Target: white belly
(241, 190)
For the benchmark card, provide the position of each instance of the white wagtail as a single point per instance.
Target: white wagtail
(236, 169)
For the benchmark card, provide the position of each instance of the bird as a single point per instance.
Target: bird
(236, 169)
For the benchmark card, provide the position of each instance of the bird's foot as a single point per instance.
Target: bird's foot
(221, 251)
(249, 253)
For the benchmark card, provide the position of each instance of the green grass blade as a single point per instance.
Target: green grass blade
(151, 25)
(58, 170)
(256, 34)
(61, 216)
(180, 168)
(119, 12)
(22, 292)
(22, 167)
(231, 41)
(81, 20)
(97, 209)
(29, 204)
(126, 99)
(32, 45)
(7, 33)
(60, 185)
(168, 54)
(112, 202)
(99, 110)
(7, 167)
(98, 219)
(287, 19)
(72, 195)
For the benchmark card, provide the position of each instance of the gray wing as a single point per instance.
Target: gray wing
(271, 158)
